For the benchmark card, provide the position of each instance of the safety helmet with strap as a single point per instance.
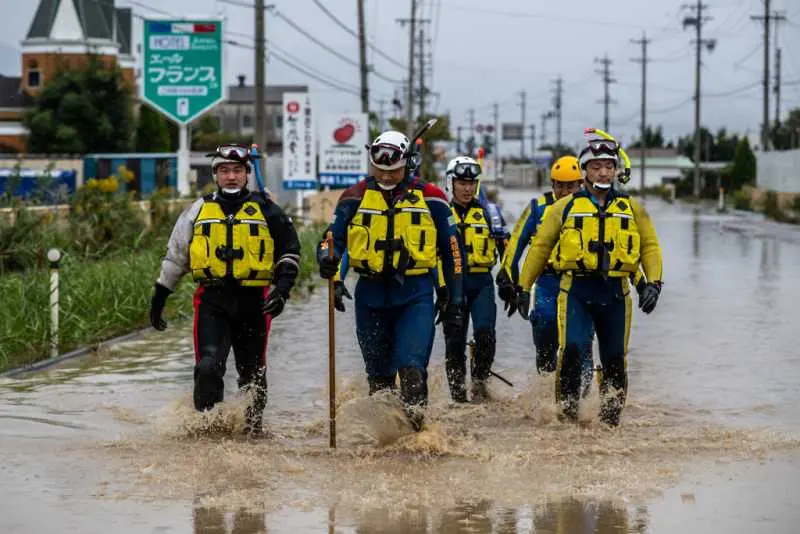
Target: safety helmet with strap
(230, 154)
(389, 151)
(599, 149)
(460, 168)
(566, 169)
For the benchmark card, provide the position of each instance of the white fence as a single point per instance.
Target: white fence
(778, 171)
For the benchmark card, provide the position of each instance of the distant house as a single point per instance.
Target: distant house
(63, 34)
(662, 166)
(237, 114)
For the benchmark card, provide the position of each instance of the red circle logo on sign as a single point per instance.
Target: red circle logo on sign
(293, 107)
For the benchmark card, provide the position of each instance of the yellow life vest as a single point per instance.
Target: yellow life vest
(592, 240)
(480, 246)
(239, 246)
(404, 233)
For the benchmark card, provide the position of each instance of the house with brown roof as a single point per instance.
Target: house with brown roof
(63, 34)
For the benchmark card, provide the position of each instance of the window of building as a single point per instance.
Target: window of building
(247, 121)
(34, 78)
(34, 75)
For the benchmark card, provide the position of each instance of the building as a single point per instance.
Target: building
(663, 166)
(63, 34)
(237, 114)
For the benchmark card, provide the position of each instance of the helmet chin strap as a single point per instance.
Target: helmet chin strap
(386, 187)
(231, 191)
(602, 187)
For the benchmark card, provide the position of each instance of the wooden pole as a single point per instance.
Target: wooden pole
(331, 352)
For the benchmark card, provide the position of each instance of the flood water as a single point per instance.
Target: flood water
(710, 439)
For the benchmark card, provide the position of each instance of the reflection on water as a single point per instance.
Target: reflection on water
(566, 516)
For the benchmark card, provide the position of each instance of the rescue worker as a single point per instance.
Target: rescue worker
(595, 238)
(482, 250)
(566, 179)
(391, 226)
(244, 253)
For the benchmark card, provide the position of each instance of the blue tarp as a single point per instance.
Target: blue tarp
(47, 187)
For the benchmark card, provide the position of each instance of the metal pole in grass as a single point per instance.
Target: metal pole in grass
(54, 256)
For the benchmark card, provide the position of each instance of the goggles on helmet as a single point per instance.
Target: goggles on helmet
(466, 171)
(232, 152)
(386, 157)
(603, 146)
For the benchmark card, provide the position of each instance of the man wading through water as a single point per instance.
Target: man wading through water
(244, 253)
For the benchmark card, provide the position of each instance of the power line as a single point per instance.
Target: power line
(297, 65)
(311, 38)
(550, 18)
(349, 30)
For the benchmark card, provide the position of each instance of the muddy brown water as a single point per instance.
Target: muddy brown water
(710, 440)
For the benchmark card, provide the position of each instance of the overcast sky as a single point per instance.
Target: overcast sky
(485, 52)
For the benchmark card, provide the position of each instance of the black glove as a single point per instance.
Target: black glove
(452, 319)
(442, 300)
(524, 304)
(340, 293)
(157, 304)
(506, 291)
(274, 303)
(328, 267)
(648, 296)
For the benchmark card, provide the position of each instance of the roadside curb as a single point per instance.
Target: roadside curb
(44, 364)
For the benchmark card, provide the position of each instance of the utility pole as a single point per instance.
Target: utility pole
(458, 139)
(522, 129)
(557, 100)
(778, 17)
(607, 80)
(543, 134)
(362, 58)
(697, 20)
(421, 70)
(643, 127)
(496, 151)
(412, 28)
(261, 65)
(471, 141)
(532, 126)
(777, 86)
(381, 113)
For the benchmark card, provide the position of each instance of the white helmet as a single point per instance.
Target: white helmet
(599, 149)
(230, 154)
(389, 150)
(461, 168)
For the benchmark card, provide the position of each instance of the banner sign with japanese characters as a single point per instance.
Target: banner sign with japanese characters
(299, 142)
(182, 67)
(342, 151)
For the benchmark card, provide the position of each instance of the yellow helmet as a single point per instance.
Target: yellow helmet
(566, 169)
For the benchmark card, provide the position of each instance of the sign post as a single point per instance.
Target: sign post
(342, 153)
(182, 75)
(299, 145)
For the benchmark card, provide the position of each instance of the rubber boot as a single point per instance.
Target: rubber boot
(456, 368)
(381, 383)
(613, 392)
(254, 413)
(481, 364)
(568, 383)
(545, 338)
(209, 389)
(414, 393)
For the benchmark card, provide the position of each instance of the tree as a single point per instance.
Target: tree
(721, 147)
(786, 136)
(653, 136)
(82, 110)
(743, 169)
(152, 132)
